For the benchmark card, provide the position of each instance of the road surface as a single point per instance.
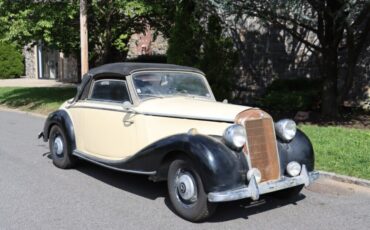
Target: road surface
(36, 195)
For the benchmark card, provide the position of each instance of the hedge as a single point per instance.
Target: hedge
(11, 61)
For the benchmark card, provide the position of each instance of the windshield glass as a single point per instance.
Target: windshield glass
(167, 84)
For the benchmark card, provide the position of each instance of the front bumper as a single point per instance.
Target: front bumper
(254, 190)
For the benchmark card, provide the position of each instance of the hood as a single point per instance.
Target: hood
(191, 108)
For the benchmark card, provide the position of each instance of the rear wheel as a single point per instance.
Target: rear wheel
(288, 193)
(60, 148)
(186, 192)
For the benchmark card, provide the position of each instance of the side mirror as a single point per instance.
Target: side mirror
(127, 106)
(225, 101)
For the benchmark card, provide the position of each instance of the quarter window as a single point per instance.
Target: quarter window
(110, 90)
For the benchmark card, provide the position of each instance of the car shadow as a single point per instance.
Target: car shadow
(132, 183)
(141, 186)
(246, 208)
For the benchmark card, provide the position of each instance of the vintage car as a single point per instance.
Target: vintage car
(163, 121)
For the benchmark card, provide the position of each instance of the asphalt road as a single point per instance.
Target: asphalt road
(36, 195)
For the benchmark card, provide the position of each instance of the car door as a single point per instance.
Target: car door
(106, 129)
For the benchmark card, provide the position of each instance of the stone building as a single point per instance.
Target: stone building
(42, 62)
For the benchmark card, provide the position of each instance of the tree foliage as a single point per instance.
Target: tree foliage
(11, 61)
(185, 42)
(56, 24)
(336, 31)
(197, 39)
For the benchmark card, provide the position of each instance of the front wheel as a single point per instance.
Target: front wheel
(60, 148)
(186, 192)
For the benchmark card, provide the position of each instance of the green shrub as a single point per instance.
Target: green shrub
(11, 61)
(292, 94)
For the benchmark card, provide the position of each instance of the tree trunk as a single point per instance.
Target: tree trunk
(329, 68)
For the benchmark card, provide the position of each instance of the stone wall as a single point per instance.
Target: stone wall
(29, 53)
(267, 53)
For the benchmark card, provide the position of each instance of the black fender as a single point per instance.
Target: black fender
(299, 149)
(219, 167)
(62, 119)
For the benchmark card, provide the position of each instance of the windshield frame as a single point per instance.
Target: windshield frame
(137, 97)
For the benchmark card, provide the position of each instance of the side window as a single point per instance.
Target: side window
(110, 90)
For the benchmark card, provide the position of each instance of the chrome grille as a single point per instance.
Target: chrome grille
(261, 146)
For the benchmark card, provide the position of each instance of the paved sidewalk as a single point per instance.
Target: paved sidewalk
(27, 82)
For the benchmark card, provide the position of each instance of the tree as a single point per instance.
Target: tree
(218, 58)
(53, 22)
(185, 42)
(56, 24)
(197, 39)
(336, 31)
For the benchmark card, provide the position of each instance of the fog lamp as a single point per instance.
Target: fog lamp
(293, 168)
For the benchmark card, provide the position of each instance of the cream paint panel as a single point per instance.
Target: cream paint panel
(189, 107)
(105, 130)
(153, 128)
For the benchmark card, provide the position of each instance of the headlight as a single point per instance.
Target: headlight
(293, 168)
(235, 136)
(286, 129)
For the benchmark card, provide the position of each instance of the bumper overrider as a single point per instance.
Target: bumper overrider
(254, 190)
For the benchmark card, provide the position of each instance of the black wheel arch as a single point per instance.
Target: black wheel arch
(63, 120)
(219, 167)
(299, 149)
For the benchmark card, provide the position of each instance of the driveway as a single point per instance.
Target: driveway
(28, 82)
(36, 195)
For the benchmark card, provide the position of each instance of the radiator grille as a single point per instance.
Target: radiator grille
(261, 146)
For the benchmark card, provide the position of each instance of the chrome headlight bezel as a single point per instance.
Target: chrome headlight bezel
(286, 129)
(235, 136)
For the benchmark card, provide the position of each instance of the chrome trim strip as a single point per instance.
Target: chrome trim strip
(254, 190)
(105, 164)
(186, 117)
(99, 108)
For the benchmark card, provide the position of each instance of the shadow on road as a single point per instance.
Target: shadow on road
(140, 185)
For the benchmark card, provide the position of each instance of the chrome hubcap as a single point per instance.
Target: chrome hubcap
(58, 146)
(186, 186)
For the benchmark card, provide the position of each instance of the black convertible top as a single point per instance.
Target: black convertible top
(126, 68)
(122, 69)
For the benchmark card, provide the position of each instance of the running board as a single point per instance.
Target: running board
(108, 164)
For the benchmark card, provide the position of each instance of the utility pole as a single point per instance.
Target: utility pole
(84, 38)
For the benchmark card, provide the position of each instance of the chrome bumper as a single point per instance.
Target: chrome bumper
(254, 190)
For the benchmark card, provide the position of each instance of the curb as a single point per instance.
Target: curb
(5, 108)
(345, 179)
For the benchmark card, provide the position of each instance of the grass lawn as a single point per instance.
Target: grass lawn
(341, 150)
(39, 100)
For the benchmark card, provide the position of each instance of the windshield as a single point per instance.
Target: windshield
(167, 84)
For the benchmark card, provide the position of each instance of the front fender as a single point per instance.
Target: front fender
(299, 149)
(219, 167)
(62, 119)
